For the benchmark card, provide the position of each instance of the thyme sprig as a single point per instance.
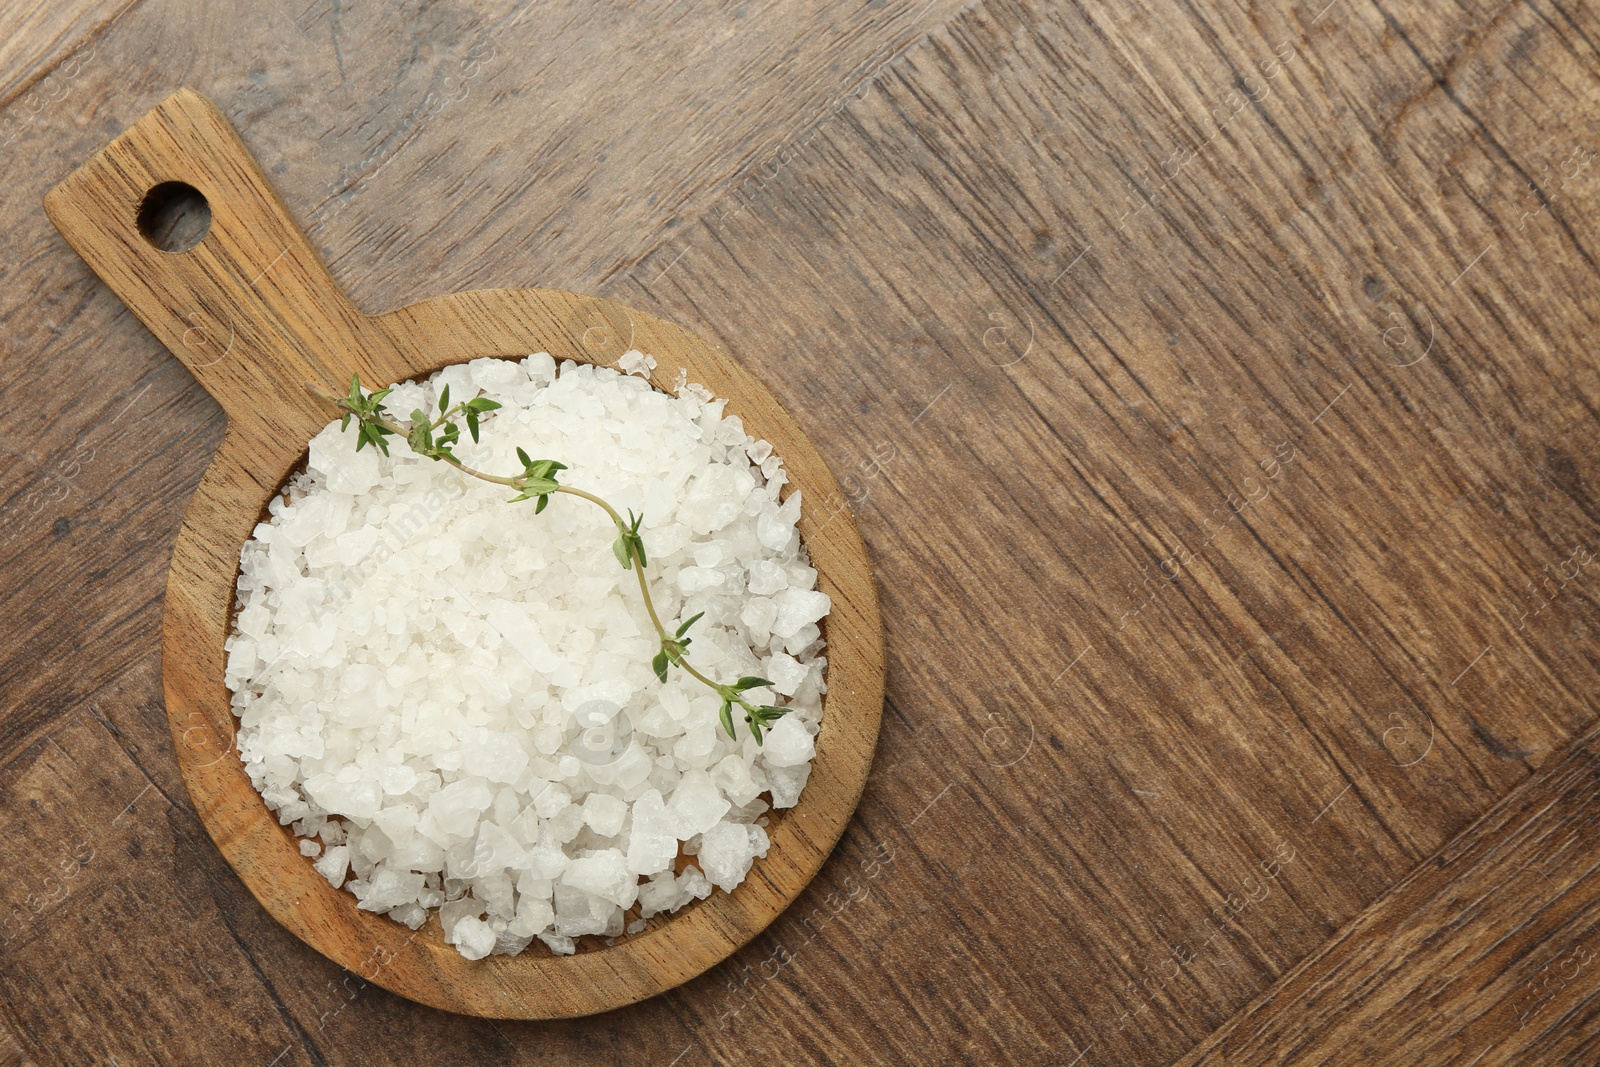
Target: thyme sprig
(436, 436)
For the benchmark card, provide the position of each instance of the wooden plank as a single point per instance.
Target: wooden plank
(50, 43)
(12, 1053)
(90, 928)
(1039, 389)
(1251, 751)
(1484, 954)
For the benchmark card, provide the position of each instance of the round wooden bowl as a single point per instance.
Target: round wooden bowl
(253, 313)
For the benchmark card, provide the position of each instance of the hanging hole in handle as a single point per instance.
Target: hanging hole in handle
(174, 216)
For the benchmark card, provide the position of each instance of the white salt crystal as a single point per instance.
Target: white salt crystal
(513, 622)
(788, 744)
(733, 778)
(334, 865)
(786, 783)
(456, 807)
(534, 915)
(692, 580)
(343, 469)
(727, 851)
(634, 361)
(493, 375)
(496, 893)
(547, 859)
(507, 943)
(453, 912)
(786, 673)
(759, 613)
(540, 367)
(497, 850)
(550, 802)
(775, 534)
(659, 723)
(659, 894)
(631, 768)
(416, 852)
(356, 800)
(654, 841)
(603, 874)
(801, 642)
(692, 885)
(715, 498)
(493, 755)
(566, 824)
(579, 912)
(398, 822)
(766, 578)
(473, 938)
(697, 744)
(397, 779)
(697, 804)
(604, 813)
(390, 887)
(558, 943)
(797, 608)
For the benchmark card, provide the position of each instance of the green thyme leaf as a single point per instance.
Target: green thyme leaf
(534, 487)
(634, 539)
(542, 470)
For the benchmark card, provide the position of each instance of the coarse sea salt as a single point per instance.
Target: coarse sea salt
(451, 700)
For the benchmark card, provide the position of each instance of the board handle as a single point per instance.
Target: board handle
(250, 309)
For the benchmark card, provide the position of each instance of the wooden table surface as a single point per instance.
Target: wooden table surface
(1211, 384)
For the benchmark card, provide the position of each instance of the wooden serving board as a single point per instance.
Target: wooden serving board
(252, 312)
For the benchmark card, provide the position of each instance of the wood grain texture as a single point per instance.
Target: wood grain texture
(42, 41)
(1485, 954)
(1044, 346)
(1270, 583)
(252, 314)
